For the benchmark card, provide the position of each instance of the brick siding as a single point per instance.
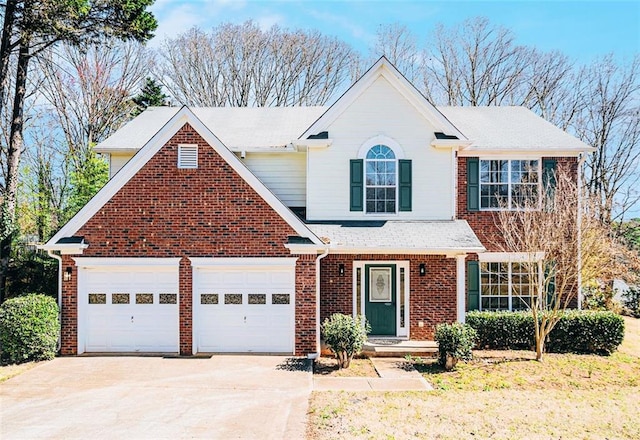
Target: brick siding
(432, 298)
(210, 211)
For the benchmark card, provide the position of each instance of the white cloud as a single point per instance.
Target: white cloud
(266, 21)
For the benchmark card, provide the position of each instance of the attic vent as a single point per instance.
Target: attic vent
(187, 156)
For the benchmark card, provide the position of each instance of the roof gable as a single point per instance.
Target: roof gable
(182, 117)
(384, 68)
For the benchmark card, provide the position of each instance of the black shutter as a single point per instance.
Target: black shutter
(473, 184)
(548, 175)
(405, 185)
(473, 285)
(356, 191)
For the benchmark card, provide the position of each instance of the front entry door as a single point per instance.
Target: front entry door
(380, 298)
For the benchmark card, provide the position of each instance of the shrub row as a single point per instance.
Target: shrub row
(577, 331)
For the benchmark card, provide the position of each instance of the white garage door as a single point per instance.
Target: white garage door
(244, 305)
(126, 306)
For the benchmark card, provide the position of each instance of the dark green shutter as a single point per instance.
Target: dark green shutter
(357, 179)
(473, 285)
(405, 185)
(473, 184)
(548, 174)
(549, 274)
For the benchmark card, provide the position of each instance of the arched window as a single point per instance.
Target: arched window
(381, 173)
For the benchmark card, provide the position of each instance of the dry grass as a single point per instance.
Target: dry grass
(501, 394)
(9, 371)
(328, 366)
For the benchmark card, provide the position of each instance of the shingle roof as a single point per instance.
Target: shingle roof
(490, 128)
(420, 236)
(509, 128)
(236, 127)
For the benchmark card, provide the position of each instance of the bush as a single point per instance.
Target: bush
(503, 330)
(632, 301)
(345, 336)
(587, 332)
(576, 332)
(601, 297)
(455, 342)
(29, 328)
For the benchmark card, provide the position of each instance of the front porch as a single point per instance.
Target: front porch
(393, 347)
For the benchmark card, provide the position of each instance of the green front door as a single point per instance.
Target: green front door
(380, 298)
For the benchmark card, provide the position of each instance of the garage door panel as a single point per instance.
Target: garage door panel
(248, 316)
(123, 311)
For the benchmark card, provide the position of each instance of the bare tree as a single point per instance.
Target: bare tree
(242, 65)
(90, 91)
(562, 242)
(475, 64)
(400, 46)
(610, 122)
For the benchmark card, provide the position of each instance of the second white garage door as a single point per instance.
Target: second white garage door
(244, 305)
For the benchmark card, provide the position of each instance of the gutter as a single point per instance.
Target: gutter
(320, 257)
(59, 258)
(581, 159)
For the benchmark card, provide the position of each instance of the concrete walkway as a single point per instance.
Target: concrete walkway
(396, 374)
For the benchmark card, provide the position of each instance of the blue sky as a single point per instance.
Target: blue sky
(581, 29)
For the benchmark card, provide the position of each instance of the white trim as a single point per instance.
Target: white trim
(104, 262)
(518, 153)
(509, 183)
(159, 140)
(381, 140)
(241, 262)
(450, 143)
(510, 257)
(449, 252)
(401, 332)
(300, 249)
(384, 68)
(461, 287)
(65, 248)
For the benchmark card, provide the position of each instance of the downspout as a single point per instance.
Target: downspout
(581, 159)
(59, 258)
(320, 257)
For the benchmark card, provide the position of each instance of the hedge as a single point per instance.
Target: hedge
(29, 328)
(577, 331)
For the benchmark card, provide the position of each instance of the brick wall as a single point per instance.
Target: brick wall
(164, 211)
(485, 223)
(432, 298)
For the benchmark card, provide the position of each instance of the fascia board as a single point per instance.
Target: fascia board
(408, 251)
(123, 176)
(183, 116)
(65, 248)
(384, 68)
(517, 152)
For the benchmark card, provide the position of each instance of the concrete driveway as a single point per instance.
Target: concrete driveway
(224, 397)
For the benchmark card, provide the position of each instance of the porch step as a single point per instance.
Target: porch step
(382, 347)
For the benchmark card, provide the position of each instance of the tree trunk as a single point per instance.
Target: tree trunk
(5, 46)
(13, 161)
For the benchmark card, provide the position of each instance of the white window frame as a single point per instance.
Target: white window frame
(362, 154)
(509, 259)
(509, 183)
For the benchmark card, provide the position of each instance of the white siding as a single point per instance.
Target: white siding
(380, 110)
(283, 173)
(117, 161)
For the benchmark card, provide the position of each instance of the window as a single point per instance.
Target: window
(380, 180)
(505, 286)
(508, 183)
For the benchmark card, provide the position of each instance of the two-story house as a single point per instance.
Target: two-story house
(240, 229)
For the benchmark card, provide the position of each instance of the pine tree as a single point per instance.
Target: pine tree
(151, 95)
